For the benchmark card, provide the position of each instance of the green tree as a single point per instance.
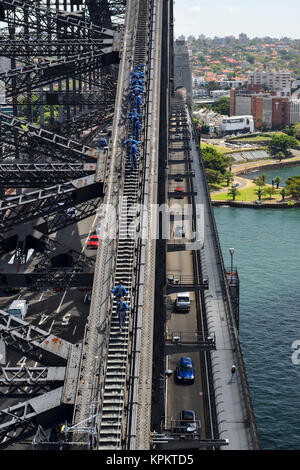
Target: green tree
(214, 160)
(281, 143)
(259, 193)
(280, 155)
(270, 191)
(261, 180)
(222, 106)
(213, 176)
(277, 181)
(228, 177)
(297, 130)
(293, 186)
(283, 192)
(233, 192)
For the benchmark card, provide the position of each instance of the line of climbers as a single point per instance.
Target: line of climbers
(120, 292)
(137, 89)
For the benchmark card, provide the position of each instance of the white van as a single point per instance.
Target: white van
(183, 302)
(18, 308)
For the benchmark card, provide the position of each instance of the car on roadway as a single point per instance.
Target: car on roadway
(179, 192)
(93, 241)
(235, 185)
(87, 298)
(102, 143)
(185, 371)
(188, 423)
(179, 231)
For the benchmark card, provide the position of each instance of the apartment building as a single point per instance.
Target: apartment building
(279, 82)
(266, 108)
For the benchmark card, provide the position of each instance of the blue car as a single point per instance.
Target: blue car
(102, 143)
(185, 371)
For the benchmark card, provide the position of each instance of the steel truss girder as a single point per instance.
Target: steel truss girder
(55, 278)
(35, 141)
(43, 19)
(50, 246)
(102, 11)
(84, 121)
(55, 200)
(26, 337)
(40, 175)
(49, 71)
(22, 48)
(31, 375)
(20, 417)
(104, 96)
(58, 221)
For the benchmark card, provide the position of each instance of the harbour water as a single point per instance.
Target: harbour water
(267, 254)
(283, 172)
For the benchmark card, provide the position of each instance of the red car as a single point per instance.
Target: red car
(93, 241)
(179, 192)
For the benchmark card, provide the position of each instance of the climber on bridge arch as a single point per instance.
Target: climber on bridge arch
(119, 290)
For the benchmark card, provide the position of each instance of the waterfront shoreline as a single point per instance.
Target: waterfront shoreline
(252, 205)
(245, 168)
(263, 164)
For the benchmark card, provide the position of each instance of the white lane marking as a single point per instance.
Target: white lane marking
(22, 361)
(50, 329)
(43, 319)
(74, 329)
(41, 297)
(66, 319)
(93, 224)
(62, 299)
(35, 364)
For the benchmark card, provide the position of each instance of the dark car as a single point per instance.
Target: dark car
(188, 422)
(185, 371)
(102, 143)
(179, 231)
(87, 298)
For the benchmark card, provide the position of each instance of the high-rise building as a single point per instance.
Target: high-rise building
(266, 108)
(243, 39)
(279, 82)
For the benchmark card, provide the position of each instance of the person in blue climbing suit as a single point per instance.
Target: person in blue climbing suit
(137, 89)
(134, 152)
(135, 122)
(119, 290)
(137, 82)
(121, 311)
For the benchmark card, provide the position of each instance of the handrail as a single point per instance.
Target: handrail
(229, 312)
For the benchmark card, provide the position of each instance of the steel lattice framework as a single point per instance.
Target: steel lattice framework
(48, 71)
(34, 141)
(41, 19)
(22, 48)
(58, 201)
(40, 175)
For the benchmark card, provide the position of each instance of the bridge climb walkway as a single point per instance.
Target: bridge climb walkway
(234, 409)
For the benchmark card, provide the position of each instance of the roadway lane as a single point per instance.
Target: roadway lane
(180, 397)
